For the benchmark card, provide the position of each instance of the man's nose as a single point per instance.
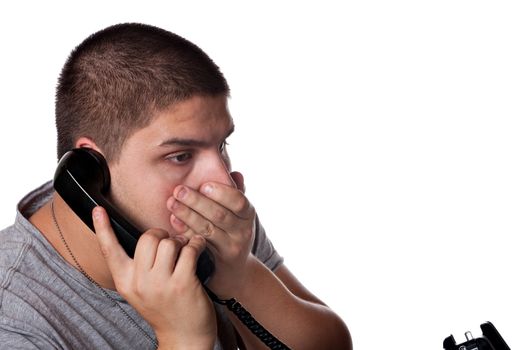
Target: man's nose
(216, 168)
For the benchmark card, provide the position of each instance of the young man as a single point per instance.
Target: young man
(155, 106)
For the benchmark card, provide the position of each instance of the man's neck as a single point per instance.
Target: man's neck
(81, 241)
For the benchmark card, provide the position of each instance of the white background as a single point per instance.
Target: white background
(381, 141)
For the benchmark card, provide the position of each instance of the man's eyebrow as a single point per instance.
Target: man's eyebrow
(177, 141)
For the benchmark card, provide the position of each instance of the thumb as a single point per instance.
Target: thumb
(116, 258)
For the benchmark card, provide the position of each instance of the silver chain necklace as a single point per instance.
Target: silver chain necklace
(95, 283)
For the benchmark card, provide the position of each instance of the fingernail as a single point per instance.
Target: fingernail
(207, 189)
(182, 193)
(97, 214)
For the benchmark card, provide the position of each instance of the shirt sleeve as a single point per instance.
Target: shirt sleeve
(263, 248)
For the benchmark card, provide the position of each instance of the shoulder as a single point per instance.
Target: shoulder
(28, 269)
(21, 258)
(15, 242)
(15, 289)
(21, 243)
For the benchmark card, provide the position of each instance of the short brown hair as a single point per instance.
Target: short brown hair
(115, 80)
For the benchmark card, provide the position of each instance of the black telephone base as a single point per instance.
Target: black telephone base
(491, 340)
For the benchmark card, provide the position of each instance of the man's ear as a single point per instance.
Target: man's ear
(86, 142)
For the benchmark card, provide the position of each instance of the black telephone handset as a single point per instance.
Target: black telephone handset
(82, 180)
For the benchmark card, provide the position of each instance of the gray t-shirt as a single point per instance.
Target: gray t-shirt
(47, 304)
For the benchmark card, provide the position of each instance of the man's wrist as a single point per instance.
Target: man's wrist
(250, 278)
(171, 343)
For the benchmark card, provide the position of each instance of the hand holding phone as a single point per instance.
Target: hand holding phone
(160, 283)
(160, 276)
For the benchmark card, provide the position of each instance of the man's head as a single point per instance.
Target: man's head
(117, 79)
(155, 106)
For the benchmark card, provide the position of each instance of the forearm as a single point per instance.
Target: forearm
(298, 323)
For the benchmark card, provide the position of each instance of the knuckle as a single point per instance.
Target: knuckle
(148, 238)
(191, 199)
(193, 249)
(195, 246)
(242, 204)
(178, 288)
(182, 211)
(141, 291)
(219, 215)
(153, 236)
(209, 229)
(247, 232)
(170, 244)
(167, 244)
(235, 251)
(175, 289)
(141, 287)
(158, 232)
(106, 251)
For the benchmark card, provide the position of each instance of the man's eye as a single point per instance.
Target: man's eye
(180, 157)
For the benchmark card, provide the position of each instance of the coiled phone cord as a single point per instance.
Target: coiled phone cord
(247, 319)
